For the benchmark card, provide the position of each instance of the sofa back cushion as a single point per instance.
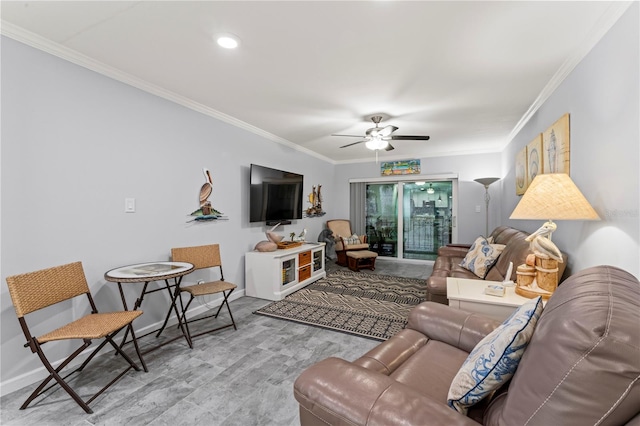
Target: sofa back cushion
(582, 365)
(516, 251)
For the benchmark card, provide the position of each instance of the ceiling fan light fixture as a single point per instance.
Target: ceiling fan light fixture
(376, 138)
(376, 143)
(228, 41)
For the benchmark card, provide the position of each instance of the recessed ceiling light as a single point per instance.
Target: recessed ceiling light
(228, 41)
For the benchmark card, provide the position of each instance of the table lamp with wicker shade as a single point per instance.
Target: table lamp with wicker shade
(554, 196)
(551, 196)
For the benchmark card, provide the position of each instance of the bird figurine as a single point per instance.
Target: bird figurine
(541, 245)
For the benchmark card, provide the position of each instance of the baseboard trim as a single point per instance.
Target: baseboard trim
(16, 383)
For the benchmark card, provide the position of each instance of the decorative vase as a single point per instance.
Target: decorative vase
(272, 236)
(266, 246)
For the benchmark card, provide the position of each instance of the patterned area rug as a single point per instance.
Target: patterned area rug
(370, 305)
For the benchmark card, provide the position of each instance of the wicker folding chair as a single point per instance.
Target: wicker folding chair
(37, 290)
(203, 257)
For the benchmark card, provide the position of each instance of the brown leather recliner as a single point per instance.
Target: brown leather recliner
(582, 365)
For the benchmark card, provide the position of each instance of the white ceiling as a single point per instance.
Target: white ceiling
(465, 73)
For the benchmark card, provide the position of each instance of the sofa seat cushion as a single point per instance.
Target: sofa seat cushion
(444, 266)
(431, 369)
(447, 263)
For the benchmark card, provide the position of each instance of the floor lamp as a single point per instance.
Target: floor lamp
(486, 182)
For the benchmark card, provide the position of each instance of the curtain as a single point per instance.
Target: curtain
(357, 201)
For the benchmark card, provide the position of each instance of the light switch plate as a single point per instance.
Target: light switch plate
(478, 208)
(129, 205)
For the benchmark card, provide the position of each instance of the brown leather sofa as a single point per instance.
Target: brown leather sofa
(582, 366)
(447, 264)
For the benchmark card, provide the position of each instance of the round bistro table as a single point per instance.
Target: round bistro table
(169, 272)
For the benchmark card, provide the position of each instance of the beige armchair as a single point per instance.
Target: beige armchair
(342, 233)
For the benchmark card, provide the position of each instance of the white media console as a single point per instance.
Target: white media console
(273, 275)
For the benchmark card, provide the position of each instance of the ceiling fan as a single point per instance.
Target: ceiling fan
(378, 137)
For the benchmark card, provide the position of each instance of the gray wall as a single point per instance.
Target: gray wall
(602, 97)
(75, 144)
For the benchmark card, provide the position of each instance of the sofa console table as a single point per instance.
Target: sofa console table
(468, 295)
(276, 274)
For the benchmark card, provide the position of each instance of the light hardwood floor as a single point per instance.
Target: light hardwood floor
(242, 377)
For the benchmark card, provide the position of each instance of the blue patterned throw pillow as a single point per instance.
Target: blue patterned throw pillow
(481, 256)
(495, 358)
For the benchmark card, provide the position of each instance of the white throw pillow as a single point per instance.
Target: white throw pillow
(354, 239)
(481, 256)
(495, 358)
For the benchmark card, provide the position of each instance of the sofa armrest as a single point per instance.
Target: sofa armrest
(386, 357)
(338, 392)
(449, 325)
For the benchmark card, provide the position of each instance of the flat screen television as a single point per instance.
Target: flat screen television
(274, 195)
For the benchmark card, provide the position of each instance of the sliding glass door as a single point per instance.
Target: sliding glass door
(426, 218)
(405, 219)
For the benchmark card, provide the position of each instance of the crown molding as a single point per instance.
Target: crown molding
(615, 10)
(36, 41)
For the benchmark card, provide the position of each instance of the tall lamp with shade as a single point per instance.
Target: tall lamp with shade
(486, 182)
(551, 196)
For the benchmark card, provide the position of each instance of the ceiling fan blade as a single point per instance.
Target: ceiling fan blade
(387, 130)
(350, 136)
(409, 138)
(350, 144)
(389, 147)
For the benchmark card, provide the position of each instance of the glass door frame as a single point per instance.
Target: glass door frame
(399, 179)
